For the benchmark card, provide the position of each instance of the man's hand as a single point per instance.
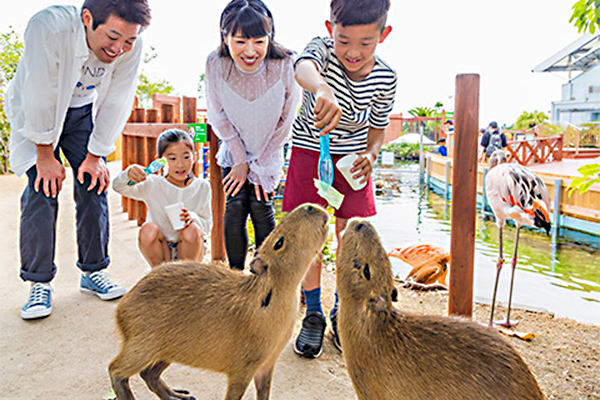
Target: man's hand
(50, 172)
(327, 110)
(235, 179)
(96, 167)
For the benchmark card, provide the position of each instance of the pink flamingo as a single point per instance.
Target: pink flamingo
(514, 192)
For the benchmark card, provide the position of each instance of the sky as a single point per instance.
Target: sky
(431, 43)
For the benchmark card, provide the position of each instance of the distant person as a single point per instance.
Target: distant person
(348, 93)
(158, 240)
(252, 100)
(491, 141)
(442, 150)
(449, 126)
(72, 93)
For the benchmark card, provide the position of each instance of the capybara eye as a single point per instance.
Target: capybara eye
(359, 226)
(279, 244)
(310, 209)
(367, 272)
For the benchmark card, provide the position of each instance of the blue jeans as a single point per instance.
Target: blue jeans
(38, 213)
(237, 209)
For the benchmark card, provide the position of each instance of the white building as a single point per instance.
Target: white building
(580, 100)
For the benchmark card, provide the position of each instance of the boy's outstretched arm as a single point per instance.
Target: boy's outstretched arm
(327, 110)
(363, 166)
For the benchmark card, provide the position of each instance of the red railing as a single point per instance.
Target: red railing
(536, 151)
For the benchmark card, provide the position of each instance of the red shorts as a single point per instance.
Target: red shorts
(300, 188)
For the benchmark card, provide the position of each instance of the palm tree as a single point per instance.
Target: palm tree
(528, 120)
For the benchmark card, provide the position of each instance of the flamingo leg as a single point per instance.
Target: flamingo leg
(508, 323)
(498, 269)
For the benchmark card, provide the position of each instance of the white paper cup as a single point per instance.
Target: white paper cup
(174, 214)
(343, 165)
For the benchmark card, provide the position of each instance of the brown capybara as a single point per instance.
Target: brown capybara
(394, 355)
(211, 317)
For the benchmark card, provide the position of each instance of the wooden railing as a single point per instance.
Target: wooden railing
(532, 151)
(138, 146)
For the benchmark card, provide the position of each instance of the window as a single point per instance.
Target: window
(594, 89)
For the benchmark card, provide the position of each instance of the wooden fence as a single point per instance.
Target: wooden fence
(536, 151)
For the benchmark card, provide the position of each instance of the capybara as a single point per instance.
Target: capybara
(211, 317)
(395, 355)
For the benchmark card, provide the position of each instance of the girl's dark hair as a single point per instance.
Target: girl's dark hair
(132, 11)
(359, 12)
(170, 137)
(252, 19)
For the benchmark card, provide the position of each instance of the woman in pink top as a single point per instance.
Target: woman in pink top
(252, 101)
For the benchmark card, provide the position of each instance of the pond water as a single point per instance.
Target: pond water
(564, 280)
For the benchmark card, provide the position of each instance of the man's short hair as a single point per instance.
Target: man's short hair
(359, 12)
(132, 11)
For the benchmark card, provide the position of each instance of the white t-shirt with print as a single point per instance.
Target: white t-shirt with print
(92, 72)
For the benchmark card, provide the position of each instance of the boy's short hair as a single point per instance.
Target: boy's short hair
(359, 12)
(132, 11)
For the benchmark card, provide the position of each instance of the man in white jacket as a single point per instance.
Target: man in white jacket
(72, 93)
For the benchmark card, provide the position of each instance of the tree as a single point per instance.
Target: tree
(528, 120)
(146, 87)
(586, 15)
(11, 48)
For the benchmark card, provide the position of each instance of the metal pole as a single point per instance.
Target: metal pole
(428, 171)
(464, 195)
(421, 154)
(447, 187)
(483, 194)
(556, 213)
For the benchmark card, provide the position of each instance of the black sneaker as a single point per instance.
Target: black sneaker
(334, 331)
(310, 340)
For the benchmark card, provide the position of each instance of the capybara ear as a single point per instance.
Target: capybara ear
(367, 272)
(395, 294)
(258, 266)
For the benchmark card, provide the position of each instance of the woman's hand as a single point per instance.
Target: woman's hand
(235, 179)
(259, 189)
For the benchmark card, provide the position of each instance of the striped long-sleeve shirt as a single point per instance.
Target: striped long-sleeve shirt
(366, 103)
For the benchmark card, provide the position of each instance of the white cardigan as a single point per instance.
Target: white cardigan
(38, 97)
(157, 193)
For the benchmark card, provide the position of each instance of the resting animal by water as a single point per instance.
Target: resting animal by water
(395, 355)
(211, 317)
(516, 193)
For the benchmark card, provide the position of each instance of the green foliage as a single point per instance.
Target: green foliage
(528, 120)
(591, 175)
(402, 151)
(11, 48)
(586, 15)
(202, 86)
(147, 87)
(423, 112)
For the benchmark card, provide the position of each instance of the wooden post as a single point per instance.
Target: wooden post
(167, 113)
(139, 115)
(217, 245)
(558, 182)
(152, 116)
(464, 197)
(189, 110)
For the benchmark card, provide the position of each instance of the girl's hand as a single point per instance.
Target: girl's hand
(235, 179)
(363, 166)
(185, 217)
(327, 110)
(266, 196)
(136, 174)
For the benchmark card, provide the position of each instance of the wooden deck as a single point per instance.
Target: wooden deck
(579, 212)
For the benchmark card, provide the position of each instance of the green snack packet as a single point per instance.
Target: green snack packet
(329, 193)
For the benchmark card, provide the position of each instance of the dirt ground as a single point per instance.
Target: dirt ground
(66, 355)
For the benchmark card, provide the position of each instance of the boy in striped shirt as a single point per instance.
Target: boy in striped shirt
(349, 93)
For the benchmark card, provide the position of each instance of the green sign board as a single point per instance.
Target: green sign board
(198, 132)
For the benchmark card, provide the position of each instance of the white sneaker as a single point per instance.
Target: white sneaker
(97, 283)
(39, 302)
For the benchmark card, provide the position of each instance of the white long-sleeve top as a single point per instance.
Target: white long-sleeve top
(157, 192)
(252, 113)
(38, 97)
